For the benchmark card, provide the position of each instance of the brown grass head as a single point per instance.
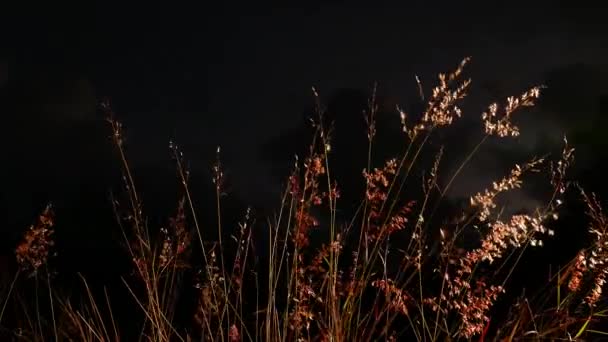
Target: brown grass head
(33, 251)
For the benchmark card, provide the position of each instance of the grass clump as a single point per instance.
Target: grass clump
(389, 267)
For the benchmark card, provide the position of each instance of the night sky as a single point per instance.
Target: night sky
(241, 76)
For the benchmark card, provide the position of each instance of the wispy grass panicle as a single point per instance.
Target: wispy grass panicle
(591, 264)
(34, 250)
(504, 126)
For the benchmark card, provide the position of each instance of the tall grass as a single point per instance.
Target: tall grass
(393, 270)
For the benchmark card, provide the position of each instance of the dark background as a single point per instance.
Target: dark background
(240, 77)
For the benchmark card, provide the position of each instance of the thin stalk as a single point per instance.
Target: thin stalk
(8, 296)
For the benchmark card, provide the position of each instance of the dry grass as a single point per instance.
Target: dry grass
(392, 271)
